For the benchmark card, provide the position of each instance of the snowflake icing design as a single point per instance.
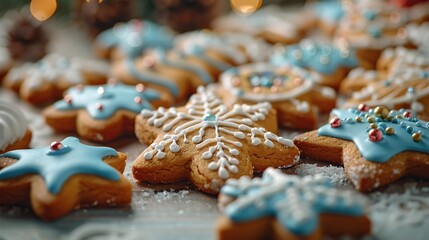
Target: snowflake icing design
(295, 201)
(208, 111)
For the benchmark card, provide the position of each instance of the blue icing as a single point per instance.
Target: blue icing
(202, 74)
(374, 31)
(113, 98)
(210, 117)
(265, 79)
(370, 14)
(56, 167)
(390, 145)
(296, 202)
(146, 77)
(331, 11)
(322, 58)
(136, 36)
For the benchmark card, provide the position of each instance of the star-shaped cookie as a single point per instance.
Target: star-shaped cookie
(207, 142)
(291, 90)
(375, 146)
(280, 206)
(55, 180)
(102, 113)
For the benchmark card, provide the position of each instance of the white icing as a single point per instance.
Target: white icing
(419, 35)
(308, 84)
(188, 43)
(13, 125)
(54, 68)
(206, 110)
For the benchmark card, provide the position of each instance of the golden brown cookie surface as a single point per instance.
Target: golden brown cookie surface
(208, 142)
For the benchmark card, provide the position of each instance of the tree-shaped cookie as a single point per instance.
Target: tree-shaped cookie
(280, 206)
(64, 176)
(291, 90)
(207, 142)
(104, 112)
(375, 146)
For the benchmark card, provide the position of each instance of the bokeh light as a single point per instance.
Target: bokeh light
(43, 9)
(246, 6)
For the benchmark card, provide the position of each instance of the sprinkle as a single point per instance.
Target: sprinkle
(335, 122)
(375, 135)
(55, 146)
(417, 137)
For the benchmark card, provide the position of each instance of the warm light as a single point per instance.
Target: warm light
(43, 9)
(246, 6)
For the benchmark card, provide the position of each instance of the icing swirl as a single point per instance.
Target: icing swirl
(13, 125)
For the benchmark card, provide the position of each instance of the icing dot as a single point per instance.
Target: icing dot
(424, 74)
(402, 124)
(335, 122)
(348, 120)
(140, 87)
(370, 15)
(55, 146)
(210, 117)
(375, 135)
(394, 120)
(138, 100)
(99, 106)
(410, 129)
(374, 31)
(100, 90)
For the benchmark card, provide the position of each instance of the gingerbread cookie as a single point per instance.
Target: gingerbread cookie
(167, 72)
(329, 14)
(128, 40)
(207, 142)
(280, 206)
(394, 65)
(291, 90)
(404, 88)
(370, 27)
(67, 175)
(330, 62)
(270, 23)
(102, 113)
(45, 81)
(14, 133)
(375, 146)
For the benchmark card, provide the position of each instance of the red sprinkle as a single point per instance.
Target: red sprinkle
(375, 135)
(55, 146)
(138, 100)
(99, 106)
(407, 114)
(363, 107)
(335, 122)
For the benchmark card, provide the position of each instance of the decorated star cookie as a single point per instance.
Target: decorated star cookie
(14, 133)
(330, 62)
(66, 175)
(376, 146)
(128, 40)
(208, 142)
(291, 90)
(45, 81)
(279, 206)
(102, 113)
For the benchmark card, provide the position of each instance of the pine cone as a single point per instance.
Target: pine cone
(99, 16)
(187, 15)
(27, 40)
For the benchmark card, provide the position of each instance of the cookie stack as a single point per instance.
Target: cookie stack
(215, 107)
